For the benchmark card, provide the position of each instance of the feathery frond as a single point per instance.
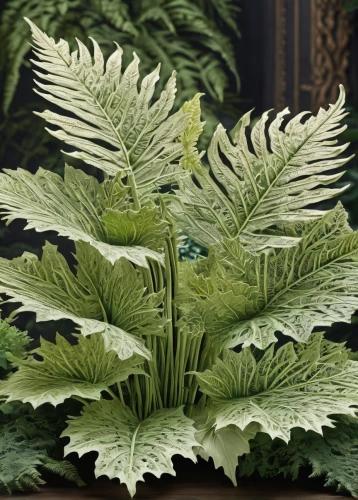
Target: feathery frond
(254, 196)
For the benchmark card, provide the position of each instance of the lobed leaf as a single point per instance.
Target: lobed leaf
(82, 209)
(297, 386)
(66, 370)
(127, 447)
(240, 298)
(100, 297)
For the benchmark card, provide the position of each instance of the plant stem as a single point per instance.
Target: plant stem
(134, 192)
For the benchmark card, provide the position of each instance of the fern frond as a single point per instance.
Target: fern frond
(259, 193)
(333, 455)
(24, 449)
(140, 140)
(63, 468)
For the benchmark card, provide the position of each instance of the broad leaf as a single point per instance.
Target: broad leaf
(241, 298)
(82, 209)
(127, 447)
(297, 386)
(101, 297)
(116, 129)
(333, 455)
(225, 445)
(255, 194)
(66, 370)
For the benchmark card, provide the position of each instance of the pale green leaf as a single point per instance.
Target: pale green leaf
(116, 129)
(225, 445)
(85, 369)
(82, 209)
(241, 298)
(127, 447)
(255, 195)
(100, 297)
(297, 386)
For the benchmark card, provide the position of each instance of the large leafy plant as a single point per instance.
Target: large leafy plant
(154, 363)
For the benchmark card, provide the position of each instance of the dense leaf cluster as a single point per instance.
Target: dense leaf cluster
(154, 364)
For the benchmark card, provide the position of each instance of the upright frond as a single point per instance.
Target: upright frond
(254, 195)
(117, 129)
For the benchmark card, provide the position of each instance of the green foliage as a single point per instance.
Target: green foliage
(12, 340)
(67, 371)
(242, 298)
(49, 202)
(265, 189)
(351, 5)
(28, 444)
(333, 455)
(156, 335)
(297, 386)
(24, 454)
(131, 446)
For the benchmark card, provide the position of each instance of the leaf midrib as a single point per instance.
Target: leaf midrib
(255, 208)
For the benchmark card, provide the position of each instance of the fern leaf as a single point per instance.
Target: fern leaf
(140, 140)
(263, 191)
(298, 386)
(24, 449)
(127, 447)
(84, 370)
(50, 203)
(333, 455)
(241, 298)
(63, 468)
(105, 298)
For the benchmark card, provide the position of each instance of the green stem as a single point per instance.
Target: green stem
(120, 392)
(111, 393)
(134, 192)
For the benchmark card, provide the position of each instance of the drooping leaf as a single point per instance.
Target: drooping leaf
(127, 447)
(241, 298)
(82, 209)
(138, 138)
(333, 455)
(297, 386)
(100, 298)
(84, 370)
(225, 445)
(255, 195)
